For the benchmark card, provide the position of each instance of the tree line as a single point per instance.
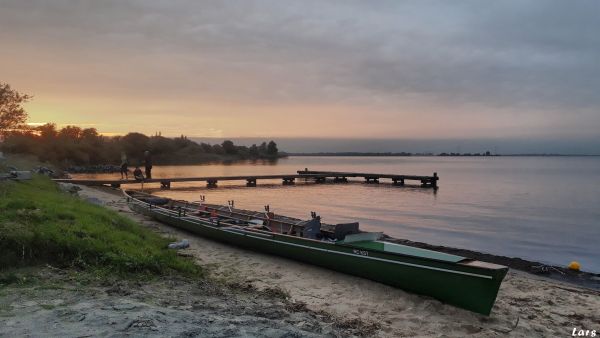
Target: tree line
(72, 145)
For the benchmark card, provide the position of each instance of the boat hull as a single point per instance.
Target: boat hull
(469, 287)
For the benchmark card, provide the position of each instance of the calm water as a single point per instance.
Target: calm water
(540, 208)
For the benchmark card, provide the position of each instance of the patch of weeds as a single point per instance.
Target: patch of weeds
(51, 286)
(19, 204)
(211, 266)
(9, 278)
(17, 279)
(296, 307)
(357, 326)
(119, 289)
(237, 285)
(208, 287)
(354, 326)
(276, 292)
(5, 310)
(47, 306)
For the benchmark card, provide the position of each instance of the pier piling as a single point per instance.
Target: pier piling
(288, 180)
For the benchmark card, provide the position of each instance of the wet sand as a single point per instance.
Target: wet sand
(527, 305)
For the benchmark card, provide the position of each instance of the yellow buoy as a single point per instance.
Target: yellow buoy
(575, 266)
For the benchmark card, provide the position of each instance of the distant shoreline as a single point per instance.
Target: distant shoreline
(348, 154)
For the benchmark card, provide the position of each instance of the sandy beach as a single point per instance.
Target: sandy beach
(62, 305)
(527, 305)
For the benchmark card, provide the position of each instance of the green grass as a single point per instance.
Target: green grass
(40, 224)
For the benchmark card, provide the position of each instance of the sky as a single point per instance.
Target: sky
(359, 70)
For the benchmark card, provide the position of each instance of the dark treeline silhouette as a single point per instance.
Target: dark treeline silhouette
(487, 153)
(72, 145)
(400, 154)
(354, 153)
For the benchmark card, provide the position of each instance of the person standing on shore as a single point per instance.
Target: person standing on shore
(124, 169)
(148, 164)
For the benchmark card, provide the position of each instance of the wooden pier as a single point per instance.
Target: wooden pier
(317, 176)
(340, 176)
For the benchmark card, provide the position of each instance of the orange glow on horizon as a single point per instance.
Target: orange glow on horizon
(213, 119)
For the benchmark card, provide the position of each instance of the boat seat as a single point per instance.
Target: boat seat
(343, 229)
(311, 229)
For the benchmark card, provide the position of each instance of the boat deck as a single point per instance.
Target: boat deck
(408, 251)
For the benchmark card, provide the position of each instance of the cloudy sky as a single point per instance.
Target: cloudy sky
(345, 69)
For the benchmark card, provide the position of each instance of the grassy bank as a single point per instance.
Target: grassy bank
(41, 224)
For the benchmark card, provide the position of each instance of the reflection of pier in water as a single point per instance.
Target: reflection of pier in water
(316, 176)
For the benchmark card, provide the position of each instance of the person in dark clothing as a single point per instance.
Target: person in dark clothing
(124, 170)
(148, 164)
(137, 174)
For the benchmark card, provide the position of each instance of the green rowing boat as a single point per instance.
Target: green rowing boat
(456, 280)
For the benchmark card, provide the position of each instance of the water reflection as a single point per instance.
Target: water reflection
(255, 162)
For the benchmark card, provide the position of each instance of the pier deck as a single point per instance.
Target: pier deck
(211, 181)
(426, 181)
